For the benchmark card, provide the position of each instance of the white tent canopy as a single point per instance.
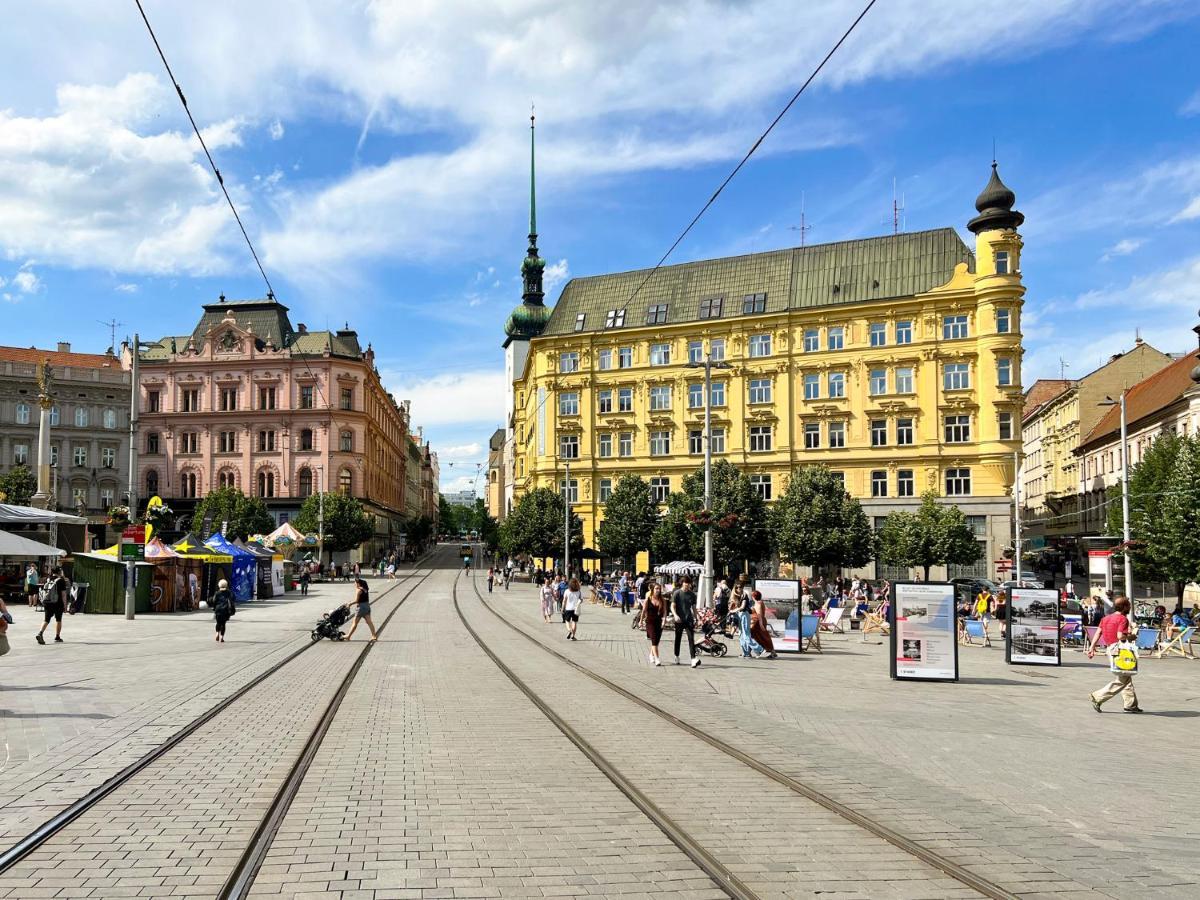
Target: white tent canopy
(680, 567)
(22, 547)
(29, 515)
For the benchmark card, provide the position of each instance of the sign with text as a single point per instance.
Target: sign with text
(133, 543)
(782, 599)
(924, 637)
(1034, 620)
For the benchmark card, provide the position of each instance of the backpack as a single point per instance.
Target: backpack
(1123, 658)
(221, 604)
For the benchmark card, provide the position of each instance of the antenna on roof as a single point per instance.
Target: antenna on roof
(803, 227)
(112, 327)
(1063, 365)
(897, 210)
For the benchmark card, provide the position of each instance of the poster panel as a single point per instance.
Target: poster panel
(782, 599)
(1034, 621)
(924, 632)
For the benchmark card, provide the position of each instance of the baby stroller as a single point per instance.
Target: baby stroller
(330, 624)
(708, 644)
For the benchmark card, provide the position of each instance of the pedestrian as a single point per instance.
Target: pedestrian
(547, 593)
(683, 609)
(55, 604)
(305, 580)
(572, 600)
(983, 605)
(362, 610)
(391, 571)
(1001, 613)
(653, 610)
(506, 575)
(491, 579)
(742, 605)
(560, 588)
(223, 608)
(623, 587)
(1117, 634)
(758, 625)
(5, 621)
(31, 585)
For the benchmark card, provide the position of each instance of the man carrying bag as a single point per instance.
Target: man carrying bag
(1121, 644)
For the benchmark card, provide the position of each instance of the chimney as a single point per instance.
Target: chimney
(302, 328)
(64, 346)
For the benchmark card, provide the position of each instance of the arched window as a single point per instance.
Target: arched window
(266, 483)
(151, 483)
(305, 482)
(306, 439)
(54, 415)
(110, 418)
(345, 482)
(22, 413)
(347, 443)
(81, 417)
(226, 479)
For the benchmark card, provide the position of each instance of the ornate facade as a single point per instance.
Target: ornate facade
(896, 361)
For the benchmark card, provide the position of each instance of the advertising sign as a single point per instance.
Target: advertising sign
(1100, 562)
(1034, 618)
(133, 543)
(782, 599)
(924, 632)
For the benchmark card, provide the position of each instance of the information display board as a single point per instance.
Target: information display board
(133, 543)
(924, 631)
(782, 599)
(1034, 624)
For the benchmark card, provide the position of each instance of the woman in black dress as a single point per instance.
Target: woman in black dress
(655, 608)
(362, 609)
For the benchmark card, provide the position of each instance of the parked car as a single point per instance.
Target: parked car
(1007, 586)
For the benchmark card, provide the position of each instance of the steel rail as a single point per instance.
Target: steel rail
(241, 879)
(65, 817)
(908, 845)
(709, 864)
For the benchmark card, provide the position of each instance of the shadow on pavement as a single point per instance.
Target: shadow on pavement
(1005, 681)
(9, 714)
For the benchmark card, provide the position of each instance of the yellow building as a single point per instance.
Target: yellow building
(894, 360)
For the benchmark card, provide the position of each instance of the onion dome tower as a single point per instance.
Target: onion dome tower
(529, 318)
(995, 207)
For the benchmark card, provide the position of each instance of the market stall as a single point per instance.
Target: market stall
(201, 567)
(242, 566)
(16, 552)
(264, 584)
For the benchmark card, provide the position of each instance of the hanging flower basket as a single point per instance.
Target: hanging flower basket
(118, 516)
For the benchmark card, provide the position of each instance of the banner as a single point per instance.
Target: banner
(1034, 622)
(782, 599)
(924, 632)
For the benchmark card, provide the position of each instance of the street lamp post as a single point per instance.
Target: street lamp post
(320, 516)
(707, 364)
(1125, 536)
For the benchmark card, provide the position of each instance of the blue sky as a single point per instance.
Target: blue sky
(378, 151)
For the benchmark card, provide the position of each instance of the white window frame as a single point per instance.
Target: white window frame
(761, 438)
(1004, 422)
(108, 457)
(763, 486)
(759, 346)
(79, 456)
(956, 377)
(878, 334)
(660, 354)
(760, 390)
(1002, 262)
(835, 338)
(568, 403)
(904, 331)
(879, 486)
(660, 488)
(812, 435)
(660, 443)
(906, 428)
(955, 328)
(660, 398)
(836, 434)
(615, 318)
(604, 360)
(716, 349)
(905, 380)
(812, 340)
(718, 440)
(624, 444)
(568, 362)
(605, 490)
(624, 357)
(877, 382)
(879, 436)
(604, 445)
(624, 400)
(812, 387)
(22, 413)
(958, 482)
(906, 483)
(1004, 371)
(1003, 320)
(568, 446)
(839, 379)
(81, 417)
(604, 401)
(956, 429)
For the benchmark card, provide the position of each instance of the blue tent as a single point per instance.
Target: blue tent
(242, 570)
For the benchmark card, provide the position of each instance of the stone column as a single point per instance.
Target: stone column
(42, 498)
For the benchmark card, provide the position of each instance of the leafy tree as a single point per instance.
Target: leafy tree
(738, 517)
(18, 485)
(447, 517)
(935, 534)
(1148, 486)
(417, 532)
(535, 526)
(816, 523)
(1171, 539)
(630, 517)
(346, 522)
(245, 515)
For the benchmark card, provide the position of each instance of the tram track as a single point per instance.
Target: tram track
(930, 857)
(58, 823)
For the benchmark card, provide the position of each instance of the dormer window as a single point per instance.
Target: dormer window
(615, 319)
(1001, 262)
(710, 307)
(656, 314)
(579, 320)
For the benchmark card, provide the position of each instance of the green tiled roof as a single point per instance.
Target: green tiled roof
(899, 265)
(270, 323)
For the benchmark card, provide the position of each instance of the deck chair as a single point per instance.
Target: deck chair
(810, 632)
(1180, 645)
(975, 630)
(1089, 632)
(833, 620)
(1070, 634)
(1147, 637)
(874, 622)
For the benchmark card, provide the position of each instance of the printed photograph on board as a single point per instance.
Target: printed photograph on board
(1033, 627)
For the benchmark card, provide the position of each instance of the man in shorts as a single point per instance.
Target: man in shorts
(55, 605)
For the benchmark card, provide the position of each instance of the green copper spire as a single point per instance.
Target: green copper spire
(532, 186)
(531, 315)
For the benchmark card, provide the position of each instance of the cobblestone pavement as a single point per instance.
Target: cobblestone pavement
(73, 714)
(178, 827)
(1006, 772)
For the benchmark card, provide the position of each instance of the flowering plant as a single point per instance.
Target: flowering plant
(118, 515)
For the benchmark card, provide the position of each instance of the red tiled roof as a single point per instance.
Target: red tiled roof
(1147, 397)
(1043, 391)
(75, 360)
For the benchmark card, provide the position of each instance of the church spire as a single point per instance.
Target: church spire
(533, 265)
(532, 186)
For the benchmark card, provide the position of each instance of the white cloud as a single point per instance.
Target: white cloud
(458, 483)
(474, 397)
(1189, 212)
(620, 88)
(461, 452)
(1192, 106)
(1123, 247)
(27, 282)
(554, 277)
(128, 287)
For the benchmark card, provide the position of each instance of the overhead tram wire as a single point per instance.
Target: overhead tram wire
(751, 151)
(327, 401)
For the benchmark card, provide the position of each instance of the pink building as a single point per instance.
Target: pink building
(249, 401)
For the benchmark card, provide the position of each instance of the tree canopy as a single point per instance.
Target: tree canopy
(935, 534)
(738, 517)
(630, 517)
(816, 523)
(18, 485)
(535, 526)
(244, 515)
(346, 522)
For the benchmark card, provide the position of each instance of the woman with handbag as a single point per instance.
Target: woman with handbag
(654, 609)
(572, 600)
(758, 626)
(742, 606)
(1121, 643)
